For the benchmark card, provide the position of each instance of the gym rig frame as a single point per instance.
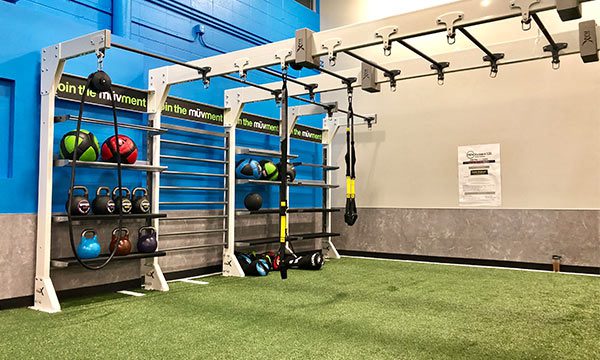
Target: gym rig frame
(306, 48)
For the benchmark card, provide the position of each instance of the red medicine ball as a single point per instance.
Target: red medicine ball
(129, 150)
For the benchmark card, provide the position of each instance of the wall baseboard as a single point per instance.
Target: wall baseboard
(477, 262)
(24, 301)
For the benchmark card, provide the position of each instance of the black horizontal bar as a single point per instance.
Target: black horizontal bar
(476, 42)
(192, 188)
(290, 211)
(195, 232)
(153, 55)
(63, 262)
(63, 217)
(418, 52)
(296, 237)
(367, 61)
(276, 74)
(333, 73)
(193, 203)
(544, 30)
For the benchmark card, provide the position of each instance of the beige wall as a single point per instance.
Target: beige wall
(547, 123)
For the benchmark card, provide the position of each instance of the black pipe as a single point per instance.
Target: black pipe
(419, 52)
(369, 62)
(476, 42)
(542, 27)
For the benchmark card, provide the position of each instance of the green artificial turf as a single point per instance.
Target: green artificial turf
(352, 309)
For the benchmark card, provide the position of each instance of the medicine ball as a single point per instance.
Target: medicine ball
(314, 261)
(248, 169)
(269, 170)
(253, 201)
(129, 150)
(87, 149)
(257, 268)
(290, 171)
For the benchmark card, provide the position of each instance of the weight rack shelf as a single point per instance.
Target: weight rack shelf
(261, 152)
(275, 239)
(192, 130)
(62, 218)
(309, 183)
(139, 165)
(290, 211)
(324, 167)
(151, 131)
(68, 261)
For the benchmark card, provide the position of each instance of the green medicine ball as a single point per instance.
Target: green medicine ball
(270, 171)
(87, 149)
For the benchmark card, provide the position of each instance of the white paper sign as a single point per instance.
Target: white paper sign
(479, 180)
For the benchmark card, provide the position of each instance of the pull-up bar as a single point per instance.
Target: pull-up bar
(489, 56)
(435, 65)
(554, 47)
(274, 92)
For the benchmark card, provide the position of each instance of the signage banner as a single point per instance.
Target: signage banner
(479, 176)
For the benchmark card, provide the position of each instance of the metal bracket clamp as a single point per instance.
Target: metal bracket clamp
(392, 74)
(282, 56)
(439, 67)
(330, 46)
(493, 63)
(555, 50)
(241, 65)
(385, 33)
(203, 73)
(525, 7)
(448, 20)
(311, 90)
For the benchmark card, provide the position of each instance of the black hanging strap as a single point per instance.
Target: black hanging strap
(283, 198)
(98, 82)
(351, 213)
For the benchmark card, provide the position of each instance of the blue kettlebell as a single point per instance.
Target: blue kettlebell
(89, 247)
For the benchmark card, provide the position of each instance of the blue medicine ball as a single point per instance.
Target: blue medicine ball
(248, 169)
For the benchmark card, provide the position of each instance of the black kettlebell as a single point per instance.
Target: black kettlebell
(103, 204)
(122, 203)
(141, 203)
(81, 203)
(147, 242)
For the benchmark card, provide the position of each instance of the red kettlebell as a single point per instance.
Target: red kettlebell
(147, 242)
(124, 247)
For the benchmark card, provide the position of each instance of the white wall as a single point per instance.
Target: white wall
(547, 122)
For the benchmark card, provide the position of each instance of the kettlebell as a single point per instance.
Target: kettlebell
(124, 247)
(147, 242)
(122, 203)
(141, 203)
(103, 204)
(81, 203)
(88, 247)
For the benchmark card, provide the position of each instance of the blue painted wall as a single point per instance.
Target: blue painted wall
(162, 26)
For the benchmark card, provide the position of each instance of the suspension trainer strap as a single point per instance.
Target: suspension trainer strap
(351, 213)
(283, 187)
(98, 82)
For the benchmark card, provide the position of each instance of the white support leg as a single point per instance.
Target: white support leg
(154, 278)
(231, 266)
(329, 250)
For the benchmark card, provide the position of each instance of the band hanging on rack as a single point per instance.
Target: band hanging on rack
(98, 82)
(351, 213)
(283, 186)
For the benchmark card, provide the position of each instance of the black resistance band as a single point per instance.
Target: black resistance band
(98, 82)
